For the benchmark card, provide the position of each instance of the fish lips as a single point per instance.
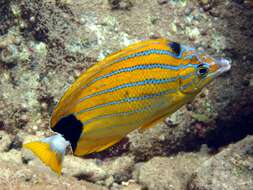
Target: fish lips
(223, 64)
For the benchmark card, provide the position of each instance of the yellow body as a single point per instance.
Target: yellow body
(130, 89)
(102, 130)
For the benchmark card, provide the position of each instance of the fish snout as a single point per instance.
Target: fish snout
(224, 65)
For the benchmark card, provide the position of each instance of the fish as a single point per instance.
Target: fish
(134, 88)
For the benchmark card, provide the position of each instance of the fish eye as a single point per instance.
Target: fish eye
(176, 47)
(202, 70)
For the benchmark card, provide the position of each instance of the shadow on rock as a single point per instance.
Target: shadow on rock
(234, 119)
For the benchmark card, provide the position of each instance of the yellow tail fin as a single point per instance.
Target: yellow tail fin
(50, 158)
(50, 150)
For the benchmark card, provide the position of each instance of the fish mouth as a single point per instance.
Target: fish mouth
(224, 65)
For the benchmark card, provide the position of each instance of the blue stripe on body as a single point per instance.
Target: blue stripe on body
(189, 57)
(128, 100)
(134, 84)
(186, 86)
(197, 55)
(143, 53)
(132, 123)
(118, 114)
(149, 52)
(141, 67)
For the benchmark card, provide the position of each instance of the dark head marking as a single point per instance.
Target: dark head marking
(175, 47)
(70, 128)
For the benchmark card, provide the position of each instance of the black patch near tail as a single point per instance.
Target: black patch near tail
(71, 129)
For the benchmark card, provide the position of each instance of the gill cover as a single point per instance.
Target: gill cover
(187, 85)
(203, 70)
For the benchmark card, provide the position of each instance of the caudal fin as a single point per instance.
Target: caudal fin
(50, 151)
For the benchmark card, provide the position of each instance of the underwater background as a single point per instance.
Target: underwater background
(46, 44)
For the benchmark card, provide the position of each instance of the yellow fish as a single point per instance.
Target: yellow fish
(130, 89)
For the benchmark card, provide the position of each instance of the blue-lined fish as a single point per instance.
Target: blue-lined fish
(130, 89)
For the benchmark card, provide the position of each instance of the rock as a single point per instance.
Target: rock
(9, 54)
(206, 4)
(102, 172)
(120, 4)
(16, 176)
(161, 2)
(173, 173)
(7, 39)
(107, 172)
(120, 168)
(231, 169)
(17, 142)
(5, 141)
(12, 51)
(27, 156)
(84, 169)
(132, 186)
(13, 156)
(108, 182)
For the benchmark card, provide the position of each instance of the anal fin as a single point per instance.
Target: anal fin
(89, 146)
(107, 145)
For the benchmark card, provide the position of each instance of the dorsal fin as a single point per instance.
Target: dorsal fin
(175, 47)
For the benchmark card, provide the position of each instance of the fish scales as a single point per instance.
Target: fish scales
(97, 69)
(156, 62)
(131, 62)
(159, 80)
(89, 75)
(158, 65)
(131, 89)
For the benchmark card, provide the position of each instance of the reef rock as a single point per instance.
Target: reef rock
(171, 173)
(16, 176)
(5, 141)
(231, 169)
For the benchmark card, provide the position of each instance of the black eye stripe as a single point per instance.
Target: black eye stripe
(176, 47)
